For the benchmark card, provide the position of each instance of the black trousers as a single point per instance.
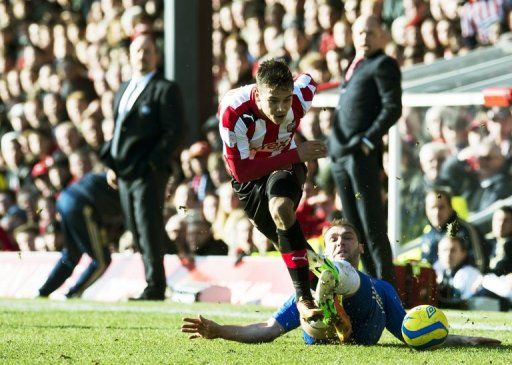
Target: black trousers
(142, 202)
(256, 194)
(357, 178)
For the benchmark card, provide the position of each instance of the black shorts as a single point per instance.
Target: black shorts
(256, 194)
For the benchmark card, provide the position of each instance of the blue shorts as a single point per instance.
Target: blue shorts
(372, 308)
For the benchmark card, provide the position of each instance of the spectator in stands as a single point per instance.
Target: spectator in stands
(316, 66)
(244, 245)
(217, 169)
(14, 218)
(456, 275)
(441, 215)
(25, 236)
(26, 199)
(329, 12)
(262, 243)
(185, 198)
(494, 177)
(434, 118)
(432, 156)
(76, 104)
(210, 210)
(40, 144)
(33, 113)
(186, 169)
(455, 131)
(176, 229)
(201, 181)
(92, 133)
(477, 18)
(46, 212)
(68, 138)
(80, 163)
(343, 37)
(499, 124)
(430, 41)
(295, 44)
(446, 34)
(58, 172)
(210, 130)
(200, 237)
(501, 253)
(40, 178)
(18, 173)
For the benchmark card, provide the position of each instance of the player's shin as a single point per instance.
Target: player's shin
(292, 246)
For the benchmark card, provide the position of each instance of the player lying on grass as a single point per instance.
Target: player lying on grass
(371, 304)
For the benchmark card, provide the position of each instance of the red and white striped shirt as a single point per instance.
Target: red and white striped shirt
(477, 17)
(253, 146)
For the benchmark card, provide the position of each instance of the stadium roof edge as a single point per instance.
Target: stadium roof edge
(457, 81)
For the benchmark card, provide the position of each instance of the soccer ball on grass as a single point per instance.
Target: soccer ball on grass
(424, 327)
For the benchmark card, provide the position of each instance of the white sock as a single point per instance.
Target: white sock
(349, 278)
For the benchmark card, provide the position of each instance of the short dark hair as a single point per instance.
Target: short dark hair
(274, 74)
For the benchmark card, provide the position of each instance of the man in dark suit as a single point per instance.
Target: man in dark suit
(369, 104)
(148, 113)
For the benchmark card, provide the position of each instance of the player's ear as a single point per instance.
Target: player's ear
(361, 248)
(257, 95)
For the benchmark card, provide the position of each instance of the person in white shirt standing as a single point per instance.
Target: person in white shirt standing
(148, 114)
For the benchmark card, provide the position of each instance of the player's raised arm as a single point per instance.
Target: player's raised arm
(202, 327)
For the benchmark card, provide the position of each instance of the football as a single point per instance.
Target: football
(424, 327)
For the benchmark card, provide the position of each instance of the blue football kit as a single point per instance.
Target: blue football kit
(372, 308)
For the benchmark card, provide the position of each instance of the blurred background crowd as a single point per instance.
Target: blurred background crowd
(61, 62)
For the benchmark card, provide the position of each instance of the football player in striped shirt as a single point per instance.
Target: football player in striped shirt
(257, 124)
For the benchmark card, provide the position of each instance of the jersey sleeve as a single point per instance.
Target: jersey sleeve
(288, 315)
(304, 89)
(243, 168)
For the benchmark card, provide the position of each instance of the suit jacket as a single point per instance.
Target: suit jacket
(370, 103)
(150, 130)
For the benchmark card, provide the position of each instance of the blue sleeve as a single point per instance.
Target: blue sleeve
(394, 309)
(288, 315)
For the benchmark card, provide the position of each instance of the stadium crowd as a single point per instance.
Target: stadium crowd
(61, 62)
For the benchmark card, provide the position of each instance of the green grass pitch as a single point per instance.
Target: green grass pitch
(51, 332)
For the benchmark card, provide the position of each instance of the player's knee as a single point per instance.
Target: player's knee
(282, 212)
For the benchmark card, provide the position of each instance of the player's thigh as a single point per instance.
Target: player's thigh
(287, 184)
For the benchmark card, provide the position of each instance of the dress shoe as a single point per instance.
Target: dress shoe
(150, 294)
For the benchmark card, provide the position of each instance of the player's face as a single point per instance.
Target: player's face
(341, 243)
(274, 103)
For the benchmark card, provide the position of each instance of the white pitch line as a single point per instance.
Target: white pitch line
(84, 307)
(480, 326)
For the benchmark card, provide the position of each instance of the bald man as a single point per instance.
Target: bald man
(369, 104)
